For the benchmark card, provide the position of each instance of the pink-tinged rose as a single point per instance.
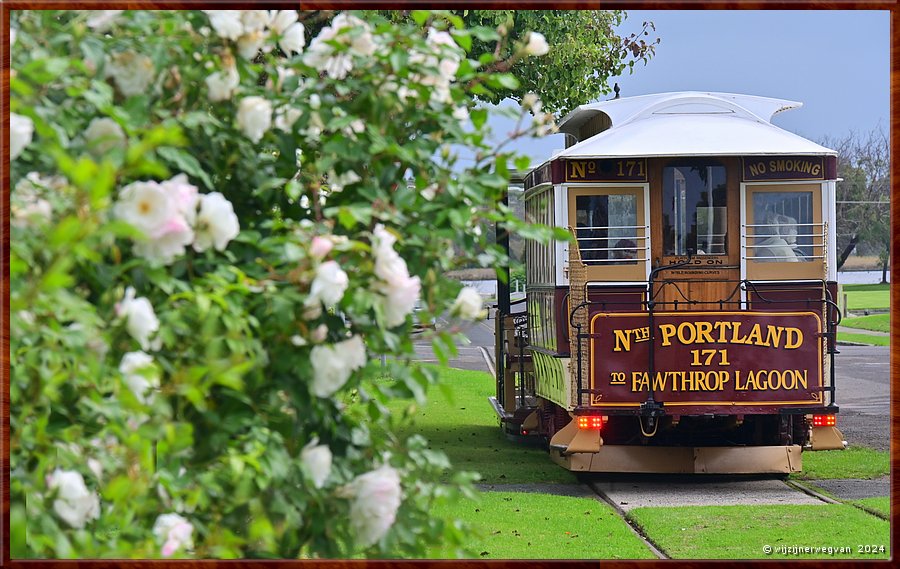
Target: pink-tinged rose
(320, 247)
(175, 533)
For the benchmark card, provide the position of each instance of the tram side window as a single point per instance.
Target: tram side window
(783, 227)
(607, 229)
(694, 209)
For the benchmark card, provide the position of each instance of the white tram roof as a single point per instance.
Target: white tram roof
(687, 123)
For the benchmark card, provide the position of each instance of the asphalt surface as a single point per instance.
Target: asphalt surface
(863, 395)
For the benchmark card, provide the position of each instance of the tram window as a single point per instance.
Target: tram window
(607, 228)
(694, 209)
(783, 226)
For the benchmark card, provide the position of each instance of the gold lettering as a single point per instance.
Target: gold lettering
(667, 331)
(682, 338)
(639, 381)
(816, 170)
(755, 336)
(773, 336)
(703, 330)
(623, 340)
(577, 170)
(793, 338)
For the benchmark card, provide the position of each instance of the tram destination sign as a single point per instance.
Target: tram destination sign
(775, 168)
(706, 358)
(607, 170)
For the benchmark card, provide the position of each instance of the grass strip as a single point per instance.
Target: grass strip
(862, 300)
(875, 322)
(459, 421)
(524, 525)
(886, 287)
(744, 532)
(867, 339)
(880, 504)
(852, 462)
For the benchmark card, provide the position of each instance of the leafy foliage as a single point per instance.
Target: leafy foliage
(305, 147)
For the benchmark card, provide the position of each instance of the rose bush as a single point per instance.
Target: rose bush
(217, 222)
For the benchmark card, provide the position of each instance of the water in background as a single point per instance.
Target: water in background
(861, 277)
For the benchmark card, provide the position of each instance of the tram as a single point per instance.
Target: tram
(689, 324)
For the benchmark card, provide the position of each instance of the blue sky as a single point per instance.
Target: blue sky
(836, 62)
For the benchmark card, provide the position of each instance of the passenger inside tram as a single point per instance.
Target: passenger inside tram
(624, 249)
(781, 239)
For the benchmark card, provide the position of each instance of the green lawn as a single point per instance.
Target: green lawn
(868, 339)
(742, 532)
(875, 322)
(522, 525)
(861, 297)
(881, 504)
(460, 421)
(852, 462)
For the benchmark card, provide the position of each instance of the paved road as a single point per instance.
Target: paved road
(863, 394)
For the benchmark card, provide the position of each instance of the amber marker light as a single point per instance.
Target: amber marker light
(824, 420)
(590, 422)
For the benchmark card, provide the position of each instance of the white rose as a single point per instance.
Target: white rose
(254, 117)
(282, 20)
(131, 72)
(12, 36)
(286, 117)
(293, 39)
(461, 114)
(146, 206)
(329, 285)
(140, 319)
(74, 503)
(136, 368)
(216, 224)
(254, 20)
(174, 532)
(374, 508)
(27, 207)
(530, 100)
(536, 45)
(103, 135)
(317, 460)
(221, 84)
(332, 365)
(102, 20)
(400, 299)
(226, 23)
(21, 131)
(250, 43)
(430, 192)
(468, 304)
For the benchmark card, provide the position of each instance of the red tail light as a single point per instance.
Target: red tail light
(590, 422)
(824, 420)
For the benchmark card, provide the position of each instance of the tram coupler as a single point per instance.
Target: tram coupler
(652, 408)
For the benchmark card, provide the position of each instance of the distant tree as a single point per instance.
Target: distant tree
(863, 215)
(585, 52)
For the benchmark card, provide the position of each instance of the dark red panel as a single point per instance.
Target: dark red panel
(738, 359)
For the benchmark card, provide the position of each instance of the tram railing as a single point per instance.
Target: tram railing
(828, 305)
(612, 244)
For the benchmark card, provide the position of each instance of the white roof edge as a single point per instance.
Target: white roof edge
(623, 109)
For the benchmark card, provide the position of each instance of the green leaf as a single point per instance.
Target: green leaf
(420, 16)
(186, 163)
